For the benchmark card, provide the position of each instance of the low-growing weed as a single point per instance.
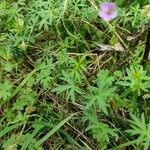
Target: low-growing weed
(74, 75)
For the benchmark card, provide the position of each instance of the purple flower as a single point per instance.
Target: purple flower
(108, 11)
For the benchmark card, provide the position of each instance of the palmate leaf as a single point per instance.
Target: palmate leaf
(136, 79)
(140, 128)
(5, 90)
(71, 90)
(91, 102)
(99, 95)
(78, 68)
(103, 105)
(101, 131)
(103, 78)
(45, 75)
(69, 87)
(61, 88)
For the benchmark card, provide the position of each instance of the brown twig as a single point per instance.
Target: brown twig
(147, 49)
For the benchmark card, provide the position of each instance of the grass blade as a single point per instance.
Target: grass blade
(8, 129)
(55, 129)
(29, 140)
(29, 75)
(71, 140)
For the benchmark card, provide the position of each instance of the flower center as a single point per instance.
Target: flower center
(109, 11)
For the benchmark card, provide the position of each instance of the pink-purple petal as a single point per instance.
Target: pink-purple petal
(108, 11)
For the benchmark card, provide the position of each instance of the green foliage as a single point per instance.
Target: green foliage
(77, 68)
(100, 95)
(69, 80)
(44, 14)
(44, 77)
(25, 141)
(101, 131)
(136, 79)
(24, 99)
(141, 129)
(70, 87)
(5, 90)
(145, 11)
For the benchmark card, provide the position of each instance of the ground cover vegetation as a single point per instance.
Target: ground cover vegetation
(74, 75)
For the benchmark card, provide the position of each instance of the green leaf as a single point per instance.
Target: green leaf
(8, 67)
(29, 75)
(29, 140)
(100, 95)
(55, 129)
(146, 10)
(70, 87)
(8, 129)
(5, 90)
(141, 130)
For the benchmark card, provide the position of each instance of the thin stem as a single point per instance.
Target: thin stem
(124, 145)
(118, 36)
(147, 50)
